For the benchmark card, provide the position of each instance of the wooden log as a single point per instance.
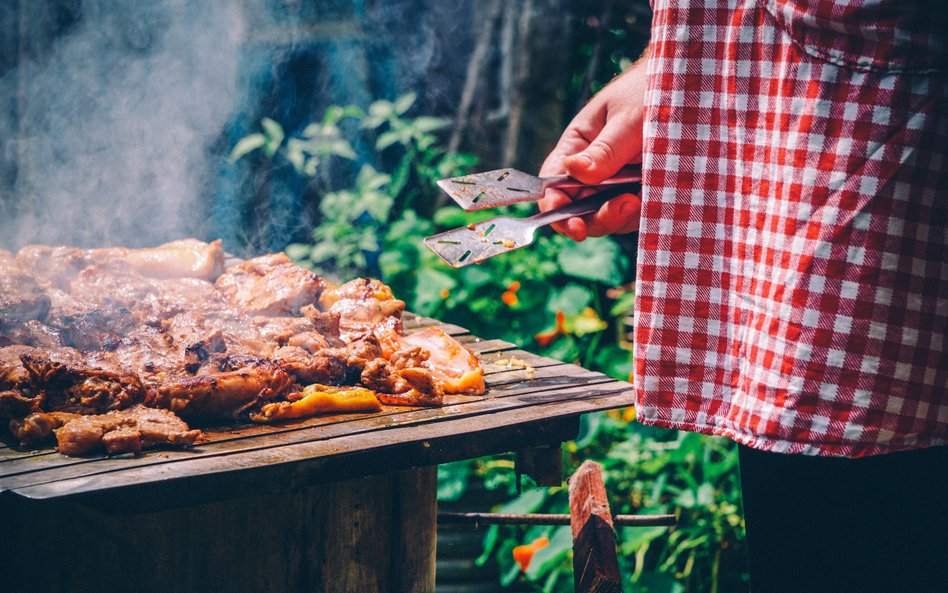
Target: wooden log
(373, 535)
(595, 564)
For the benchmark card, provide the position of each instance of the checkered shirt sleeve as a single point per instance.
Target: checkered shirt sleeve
(792, 274)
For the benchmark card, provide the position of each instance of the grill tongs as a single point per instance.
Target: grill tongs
(474, 243)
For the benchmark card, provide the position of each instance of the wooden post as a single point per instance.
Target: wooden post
(595, 564)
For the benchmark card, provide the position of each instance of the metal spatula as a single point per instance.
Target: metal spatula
(476, 242)
(510, 186)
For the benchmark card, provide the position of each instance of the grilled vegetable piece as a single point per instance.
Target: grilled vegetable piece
(320, 399)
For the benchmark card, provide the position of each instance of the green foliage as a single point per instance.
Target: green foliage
(551, 298)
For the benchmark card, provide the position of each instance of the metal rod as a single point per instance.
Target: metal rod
(548, 519)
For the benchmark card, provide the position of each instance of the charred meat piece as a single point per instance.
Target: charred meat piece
(14, 404)
(223, 395)
(99, 329)
(81, 390)
(270, 285)
(124, 431)
(326, 366)
(324, 322)
(406, 387)
(453, 366)
(197, 353)
(363, 306)
(35, 333)
(52, 266)
(21, 298)
(39, 426)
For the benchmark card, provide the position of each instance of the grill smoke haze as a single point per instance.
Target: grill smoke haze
(115, 122)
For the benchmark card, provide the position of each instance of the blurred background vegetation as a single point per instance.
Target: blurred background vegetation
(343, 115)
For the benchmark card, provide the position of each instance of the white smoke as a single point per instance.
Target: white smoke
(116, 121)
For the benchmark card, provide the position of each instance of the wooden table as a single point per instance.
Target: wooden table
(335, 503)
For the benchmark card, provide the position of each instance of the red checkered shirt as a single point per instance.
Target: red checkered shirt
(792, 274)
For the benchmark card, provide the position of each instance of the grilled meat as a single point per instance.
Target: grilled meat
(270, 285)
(124, 431)
(38, 427)
(102, 331)
(81, 389)
(22, 299)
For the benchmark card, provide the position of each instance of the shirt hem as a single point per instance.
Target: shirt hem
(813, 448)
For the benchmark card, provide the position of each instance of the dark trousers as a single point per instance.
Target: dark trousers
(875, 524)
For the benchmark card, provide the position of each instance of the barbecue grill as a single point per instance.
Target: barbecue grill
(343, 502)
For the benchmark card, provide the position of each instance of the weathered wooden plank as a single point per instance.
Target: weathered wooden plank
(525, 407)
(595, 564)
(313, 461)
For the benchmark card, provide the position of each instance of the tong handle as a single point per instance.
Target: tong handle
(627, 174)
(585, 205)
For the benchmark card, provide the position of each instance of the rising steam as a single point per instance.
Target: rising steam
(115, 124)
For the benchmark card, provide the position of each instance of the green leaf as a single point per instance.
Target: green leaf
(386, 139)
(587, 322)
(571, 299)
(404, 103)
(528, 502)
(381, 108)
(589, 425)
(246, 145)
(429, 124)
(624, 304)
(297, 251)
(600, 260)
(274, 134)
(561, 542)
(452, 480)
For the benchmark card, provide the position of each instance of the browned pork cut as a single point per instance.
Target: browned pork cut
(21, 298)
(364, 307)
(185, 258)
(81, 389)
(270, 285)
(38, 427)
(124, 431)
(241, 383)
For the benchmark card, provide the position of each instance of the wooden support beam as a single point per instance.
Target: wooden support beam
(595, 564)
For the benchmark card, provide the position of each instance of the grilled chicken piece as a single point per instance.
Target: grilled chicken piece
(124, 431)
(365, 307)
(38, 427)
(242, 383)
(53, 267)
(270, 285)
(320, 399)
(185, 258)
(406, 387)
(22, 299)
(14, 404)
(452, 365)
(81, 389)
(326, 366)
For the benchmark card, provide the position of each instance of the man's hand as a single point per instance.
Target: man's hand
(603, 137)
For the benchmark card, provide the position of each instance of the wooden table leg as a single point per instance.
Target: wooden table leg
(372, 535)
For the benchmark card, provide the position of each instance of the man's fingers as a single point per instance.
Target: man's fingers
(612, 149)
(619, 215)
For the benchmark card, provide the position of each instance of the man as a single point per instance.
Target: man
(792, 269)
